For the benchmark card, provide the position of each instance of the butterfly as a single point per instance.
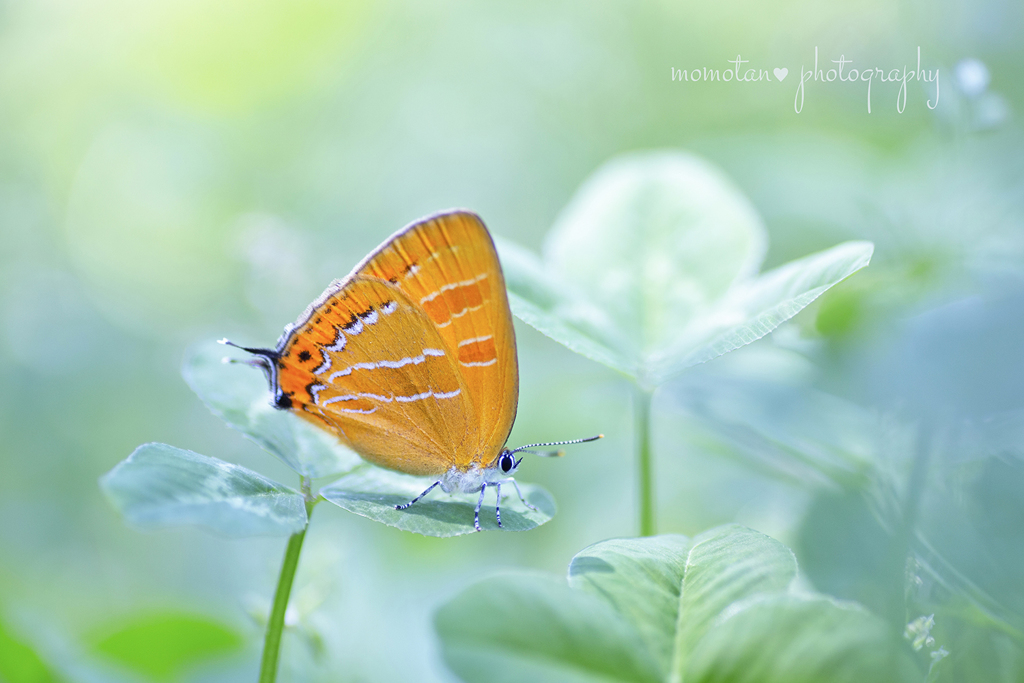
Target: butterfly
(410, 360)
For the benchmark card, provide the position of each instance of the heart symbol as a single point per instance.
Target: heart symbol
(781, 73)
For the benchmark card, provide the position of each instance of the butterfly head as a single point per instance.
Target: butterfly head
(507, 462)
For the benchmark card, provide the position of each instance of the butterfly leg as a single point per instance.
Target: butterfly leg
(409, 504)
(476, 515)
(521, 494)
(497, 503)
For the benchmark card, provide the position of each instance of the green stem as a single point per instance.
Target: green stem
(275, 626)
(645, 473)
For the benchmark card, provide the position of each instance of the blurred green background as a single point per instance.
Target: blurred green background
(172, 172)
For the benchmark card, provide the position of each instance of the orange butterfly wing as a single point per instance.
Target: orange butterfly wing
(411, 359)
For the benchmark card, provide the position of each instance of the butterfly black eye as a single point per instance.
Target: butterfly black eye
(283, 401)
(506, 462)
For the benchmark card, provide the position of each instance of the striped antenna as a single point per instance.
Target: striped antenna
(555, 454)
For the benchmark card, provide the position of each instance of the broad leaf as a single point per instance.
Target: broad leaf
(719, 608)
(162, 646)
(652, 268)
(524, 627)
(373, 493)
(655, 240)
(541, 299)
(160, 486)
(238, 394)
(726, 565)
(641, 579)
(787, 638)
(754, 309)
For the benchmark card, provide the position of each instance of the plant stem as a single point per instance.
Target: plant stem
(645, 474)
(275, 625)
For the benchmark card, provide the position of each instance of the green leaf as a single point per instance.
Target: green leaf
(19, 663)
(641, 579)
(160, 485)
(524, 627)
(652, 268)
(539, 297)
(724, 566)
(787, 638)
(719, 608)
(238, 394)
(373, 493)
(655, 239)
(760, 306)
(163, 646)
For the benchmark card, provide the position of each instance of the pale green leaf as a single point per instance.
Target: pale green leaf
(239, 395)
(653, 266)
(655, 240)
(641, 579)
(540, 299)
(726, 565)
(161, 486)
(754, 309)
(524, 627)
(373, 493)
(724, 603)
(785, 638)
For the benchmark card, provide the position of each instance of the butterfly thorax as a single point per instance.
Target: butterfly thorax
(476, 477)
